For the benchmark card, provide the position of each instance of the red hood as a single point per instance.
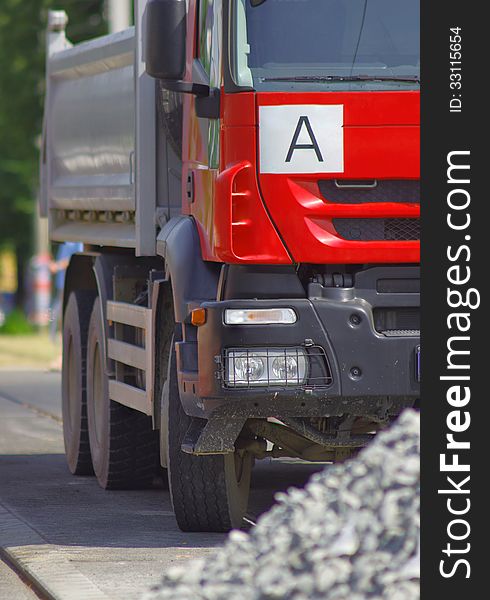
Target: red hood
(274, 204)
(380, 133)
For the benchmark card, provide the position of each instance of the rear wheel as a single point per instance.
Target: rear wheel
(73, 388)
(209, 493)
(123, 444)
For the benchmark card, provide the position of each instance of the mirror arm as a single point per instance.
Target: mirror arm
(185, 87)
(208, 107)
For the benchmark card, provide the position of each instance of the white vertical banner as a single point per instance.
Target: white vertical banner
(118, 15)
(145, 162)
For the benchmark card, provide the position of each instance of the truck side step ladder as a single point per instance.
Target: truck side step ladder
(127, 354)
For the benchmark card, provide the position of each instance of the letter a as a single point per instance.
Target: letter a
(295, 146)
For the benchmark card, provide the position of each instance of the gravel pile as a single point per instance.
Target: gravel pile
(351, 533)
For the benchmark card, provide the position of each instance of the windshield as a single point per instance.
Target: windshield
(334, 44)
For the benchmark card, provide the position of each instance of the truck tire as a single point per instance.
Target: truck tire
(124, 446)
(209, 493)
(73, 382)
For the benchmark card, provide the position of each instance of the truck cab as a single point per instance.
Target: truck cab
(244, 175)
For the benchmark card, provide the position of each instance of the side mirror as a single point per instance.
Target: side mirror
(165, 39)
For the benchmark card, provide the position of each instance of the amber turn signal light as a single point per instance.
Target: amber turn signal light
(198, 316)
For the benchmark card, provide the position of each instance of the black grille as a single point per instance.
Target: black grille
(402, 333)
(384, 190)
(378, 229)
(396, 319)
(406, 285)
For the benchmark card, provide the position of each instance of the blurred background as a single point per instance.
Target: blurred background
(28, 265)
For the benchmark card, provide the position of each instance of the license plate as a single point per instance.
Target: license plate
(417, 363)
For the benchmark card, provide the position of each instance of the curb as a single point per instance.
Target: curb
(33, 586)
(51, 576)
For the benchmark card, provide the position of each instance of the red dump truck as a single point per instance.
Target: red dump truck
(244, 176)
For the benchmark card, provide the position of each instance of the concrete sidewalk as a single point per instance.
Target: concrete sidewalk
(39, 389)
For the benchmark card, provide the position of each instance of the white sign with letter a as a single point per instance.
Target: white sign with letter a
(302, 138)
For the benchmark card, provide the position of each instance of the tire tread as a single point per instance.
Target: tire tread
(133, 449)
(197, 483)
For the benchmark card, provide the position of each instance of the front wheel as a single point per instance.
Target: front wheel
(209, 493)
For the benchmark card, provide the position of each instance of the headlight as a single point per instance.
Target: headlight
(265, 367)
(249, 366)
(285, 368)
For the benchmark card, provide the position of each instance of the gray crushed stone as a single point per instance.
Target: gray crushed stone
(351, 533)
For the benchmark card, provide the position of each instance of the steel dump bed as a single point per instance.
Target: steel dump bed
(97, 115)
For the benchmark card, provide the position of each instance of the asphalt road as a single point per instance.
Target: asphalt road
(74, 539)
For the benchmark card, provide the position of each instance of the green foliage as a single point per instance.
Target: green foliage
(86, 18)
(16, 324)
(22, 34)
(21, 66)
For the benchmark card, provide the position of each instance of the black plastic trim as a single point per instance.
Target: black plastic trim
(386, 364)
(193, 279)
(259, 281)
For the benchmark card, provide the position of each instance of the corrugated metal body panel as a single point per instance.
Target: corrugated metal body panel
(109, 174)
(91, 125)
